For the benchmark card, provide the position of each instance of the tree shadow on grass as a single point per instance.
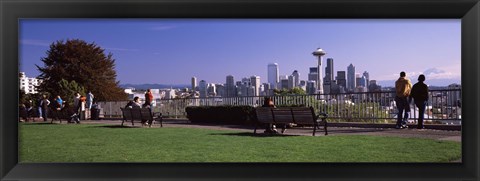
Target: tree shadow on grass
(40, 123)
(253, 135)
(115, 126)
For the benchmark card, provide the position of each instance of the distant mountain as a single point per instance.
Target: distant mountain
(154, 86)
(433, 82)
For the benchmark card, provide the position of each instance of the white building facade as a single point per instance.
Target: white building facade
(28, 84)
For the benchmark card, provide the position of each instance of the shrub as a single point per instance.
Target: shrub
(238, 115)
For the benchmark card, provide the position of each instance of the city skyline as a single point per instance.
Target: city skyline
(173, 51)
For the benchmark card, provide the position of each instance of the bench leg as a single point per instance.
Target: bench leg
(161, 122)
(284, 128)
(255, 129)
(325, 127)
(123, 120)
(314, 129)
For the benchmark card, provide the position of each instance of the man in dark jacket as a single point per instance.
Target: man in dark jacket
(419, 94)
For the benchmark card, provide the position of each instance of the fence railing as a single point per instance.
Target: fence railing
(443, 107)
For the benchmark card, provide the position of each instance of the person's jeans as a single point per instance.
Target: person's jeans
(40, 114)
(403, 108)
(421, 111)
(45, 114)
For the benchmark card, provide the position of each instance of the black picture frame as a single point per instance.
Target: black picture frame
(466, 10)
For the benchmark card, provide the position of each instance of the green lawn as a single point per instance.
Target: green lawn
(43, 142)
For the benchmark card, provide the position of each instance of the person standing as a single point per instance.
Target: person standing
(39, 107)
(89, 104)
(148, 98)
(420, 97)
(402, 89)
(76, 102)
(44, 103)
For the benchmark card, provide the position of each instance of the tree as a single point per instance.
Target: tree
(82, 62)
(68, 90)
(293, 91)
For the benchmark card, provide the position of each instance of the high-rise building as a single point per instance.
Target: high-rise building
(230, 87)
(351, 82)
(202, 86)
(291, 82)
(328, 79)
(283, 83)
(342, 80)
(310, 87)
(313, 74)
(367, 78)
(363, 81)
(194, 83)
(329, 74)
(273, 75)
(211, 90)
(296, 76)
(255, 83)
(28, 84)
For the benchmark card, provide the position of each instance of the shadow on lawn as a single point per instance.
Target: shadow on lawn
(115, 126)
(253, 135)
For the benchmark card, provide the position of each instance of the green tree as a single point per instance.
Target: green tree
(68, 90)
(293, 91)
(82, 62)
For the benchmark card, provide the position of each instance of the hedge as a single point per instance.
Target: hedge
(237, 115)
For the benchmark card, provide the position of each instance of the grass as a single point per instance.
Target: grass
(43, 142)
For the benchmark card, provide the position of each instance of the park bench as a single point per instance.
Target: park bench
(141, 114)
(287, 115)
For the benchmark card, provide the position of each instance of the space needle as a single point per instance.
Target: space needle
(319, 53)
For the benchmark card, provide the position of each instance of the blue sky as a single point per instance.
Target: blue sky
(171, 51)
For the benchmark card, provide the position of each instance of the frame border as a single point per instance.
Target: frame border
(466, 10)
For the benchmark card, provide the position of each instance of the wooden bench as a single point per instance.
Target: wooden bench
(287, 115)
(142, 115)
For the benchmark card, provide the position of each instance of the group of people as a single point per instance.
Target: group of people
(135, 103)
(44, 106)
(405, 92)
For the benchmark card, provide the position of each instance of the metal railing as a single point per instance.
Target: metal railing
(443, 107)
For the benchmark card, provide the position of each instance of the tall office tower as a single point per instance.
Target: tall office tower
(202, 86)
(329, 74)
(342, 79)
(296, 80)
(273, 75)
(291, 82)
(211, 90)
(311, 87)
(351, 84)
(220, 90)
(363, 81)
(319, 53)
(255, 83)
(267, 89)
(194, 83)
(283, 83)
(303, 85)
(230, 87)
(312, 74)
(367, 77)
(358, 80)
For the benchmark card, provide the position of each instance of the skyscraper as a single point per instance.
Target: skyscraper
(367, 77)
(342, 79)
(312, 75)
(203, 88)
(230, 86)
(273, 75)
(255, 83)
(296, 80)
(291, 82)
(351, 84)
(328, 79)
(194, 83)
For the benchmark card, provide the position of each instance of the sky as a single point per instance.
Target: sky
(171, 51)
